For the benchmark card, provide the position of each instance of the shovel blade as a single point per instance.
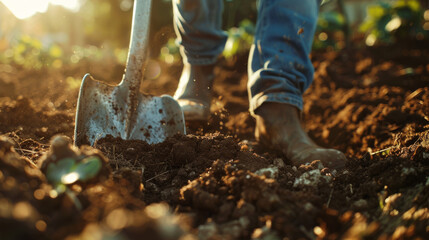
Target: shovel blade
(103, 110)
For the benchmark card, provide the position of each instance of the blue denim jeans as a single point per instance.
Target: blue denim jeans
(279, 65)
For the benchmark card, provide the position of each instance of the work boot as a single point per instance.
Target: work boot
(194, 92)
(278, 125)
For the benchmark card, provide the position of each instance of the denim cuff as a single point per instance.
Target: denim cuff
(287, 98)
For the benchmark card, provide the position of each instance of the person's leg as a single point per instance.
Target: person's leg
(198, 29)
(280, 70)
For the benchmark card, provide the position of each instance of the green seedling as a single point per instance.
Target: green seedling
(67, 171)
(88, 168)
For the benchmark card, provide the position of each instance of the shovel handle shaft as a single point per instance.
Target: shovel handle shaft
(138, 44)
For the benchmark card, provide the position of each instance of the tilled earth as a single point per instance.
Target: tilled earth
(216, 182)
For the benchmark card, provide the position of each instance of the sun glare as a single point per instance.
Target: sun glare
(27, 8)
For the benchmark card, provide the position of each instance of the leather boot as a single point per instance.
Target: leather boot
(278, 126)
(194, 92)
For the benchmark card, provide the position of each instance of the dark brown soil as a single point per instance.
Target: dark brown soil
(216, 182)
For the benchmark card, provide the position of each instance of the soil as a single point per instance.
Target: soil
(217, 182)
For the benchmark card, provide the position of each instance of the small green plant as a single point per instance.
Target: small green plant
(388, 22)
(240, 39)
(68, 171)
(30, 53)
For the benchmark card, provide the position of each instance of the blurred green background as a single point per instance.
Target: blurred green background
(101, 28)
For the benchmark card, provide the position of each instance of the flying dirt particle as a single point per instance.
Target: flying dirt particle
(41, 225)
(300, 31)
(160, 111)
(39, 194)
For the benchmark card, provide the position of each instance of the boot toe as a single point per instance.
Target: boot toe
(194, 110)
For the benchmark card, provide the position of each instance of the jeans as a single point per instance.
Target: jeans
(279, 66)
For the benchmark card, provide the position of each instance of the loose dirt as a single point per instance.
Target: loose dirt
(216, 182)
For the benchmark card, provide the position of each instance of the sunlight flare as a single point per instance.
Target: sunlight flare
(26, 8)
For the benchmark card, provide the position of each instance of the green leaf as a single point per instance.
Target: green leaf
(366, 26)
(247, 26)
(56, 171)
(88, 168)
(414, 5)
(376, 11)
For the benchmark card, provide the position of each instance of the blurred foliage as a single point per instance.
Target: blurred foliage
(389, 22)
(100, 31)
(170, 52)
(93, 53)
(73, 83)
(30, 53)
(106, 20)
(240, 39)
(330, 31)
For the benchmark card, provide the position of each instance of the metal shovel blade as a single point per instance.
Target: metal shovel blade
(122, 110)
(105, 110)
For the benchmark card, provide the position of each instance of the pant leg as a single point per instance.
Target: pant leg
(198, 28)
(279, 67)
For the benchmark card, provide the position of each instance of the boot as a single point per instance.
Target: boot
(278, 126)
(194, 92)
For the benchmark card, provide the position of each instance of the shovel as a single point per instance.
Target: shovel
(122, 110)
